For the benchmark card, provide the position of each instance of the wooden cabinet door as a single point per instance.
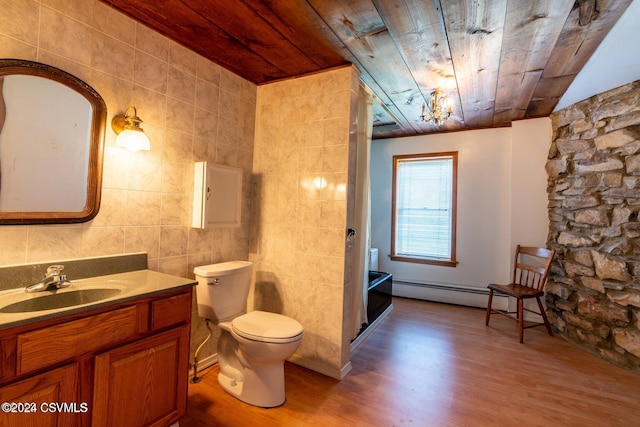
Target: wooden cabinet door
(143, 383)
(32, 401)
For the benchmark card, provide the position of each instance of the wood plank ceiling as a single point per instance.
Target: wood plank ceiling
(495, 60)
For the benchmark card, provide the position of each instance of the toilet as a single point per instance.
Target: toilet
(252, 346)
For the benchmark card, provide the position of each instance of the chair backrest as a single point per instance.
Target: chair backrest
(531, 266)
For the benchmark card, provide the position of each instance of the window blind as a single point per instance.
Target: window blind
(424, 207)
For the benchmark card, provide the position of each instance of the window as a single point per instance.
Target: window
(423, 223)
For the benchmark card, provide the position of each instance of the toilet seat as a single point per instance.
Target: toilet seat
(268, 327)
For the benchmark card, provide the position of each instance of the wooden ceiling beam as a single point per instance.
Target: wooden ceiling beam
(180, 23)
(588, 11)
(530, 33)
(475, 30)
(540, 106)
(243, 24)
(303, 28)
(510, 59)
(378, 58)
(418, 32)
(574, 47)
(577, 43)
(306, 24)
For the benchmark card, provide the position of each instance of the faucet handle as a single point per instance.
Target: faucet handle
(54, 270)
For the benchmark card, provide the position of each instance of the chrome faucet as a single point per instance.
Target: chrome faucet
(52, 281)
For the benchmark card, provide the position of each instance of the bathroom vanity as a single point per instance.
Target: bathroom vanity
(122, 360)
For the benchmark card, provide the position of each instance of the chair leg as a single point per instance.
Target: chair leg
(544, 316)
(520, 320)
(489, 307)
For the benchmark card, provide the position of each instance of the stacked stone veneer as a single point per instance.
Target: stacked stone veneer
(593, 293)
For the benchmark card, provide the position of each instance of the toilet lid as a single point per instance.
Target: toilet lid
(222, 269)
(267, 327)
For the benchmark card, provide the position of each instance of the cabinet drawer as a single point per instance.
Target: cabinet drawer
(170, 311)
(47, 346)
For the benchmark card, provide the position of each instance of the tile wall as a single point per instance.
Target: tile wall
(192, 109)
(302, 204)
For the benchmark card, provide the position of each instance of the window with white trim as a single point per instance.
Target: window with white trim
(423, 228)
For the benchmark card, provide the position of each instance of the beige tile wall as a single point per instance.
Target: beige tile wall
(300, 199)
(192, 109)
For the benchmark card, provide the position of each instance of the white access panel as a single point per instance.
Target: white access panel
(217, 196)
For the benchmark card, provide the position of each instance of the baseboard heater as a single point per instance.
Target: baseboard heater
(451, 294)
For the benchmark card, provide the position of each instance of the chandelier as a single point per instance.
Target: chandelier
(437, 109)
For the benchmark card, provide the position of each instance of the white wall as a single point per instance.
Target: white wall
(501, 202)
(531, 140)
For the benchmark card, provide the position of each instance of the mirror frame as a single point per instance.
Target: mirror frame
(96, 149)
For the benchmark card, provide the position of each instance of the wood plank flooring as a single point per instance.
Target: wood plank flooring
(431, 364)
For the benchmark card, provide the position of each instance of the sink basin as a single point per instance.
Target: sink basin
(60, 300)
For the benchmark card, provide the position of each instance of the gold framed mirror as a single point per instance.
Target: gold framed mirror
(52, 128)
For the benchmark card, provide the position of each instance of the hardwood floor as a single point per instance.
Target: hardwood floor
(431, 364)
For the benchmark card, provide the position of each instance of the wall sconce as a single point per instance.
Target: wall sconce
(437, 109)
(130, 134)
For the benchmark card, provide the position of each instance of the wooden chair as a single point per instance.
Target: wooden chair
(530, 270)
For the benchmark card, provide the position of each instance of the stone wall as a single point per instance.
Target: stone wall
(593, 293)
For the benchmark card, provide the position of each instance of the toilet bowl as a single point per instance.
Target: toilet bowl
(252, 346)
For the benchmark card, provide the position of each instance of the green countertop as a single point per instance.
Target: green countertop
(131, 285)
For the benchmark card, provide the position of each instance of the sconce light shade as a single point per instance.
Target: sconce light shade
(133, 140)
(130, 135)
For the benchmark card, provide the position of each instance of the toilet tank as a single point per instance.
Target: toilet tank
(373, 259)
(223, 289)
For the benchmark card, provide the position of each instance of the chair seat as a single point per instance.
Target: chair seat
(516, 291)
(530, 270)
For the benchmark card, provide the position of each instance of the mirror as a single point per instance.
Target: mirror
(51, 145)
